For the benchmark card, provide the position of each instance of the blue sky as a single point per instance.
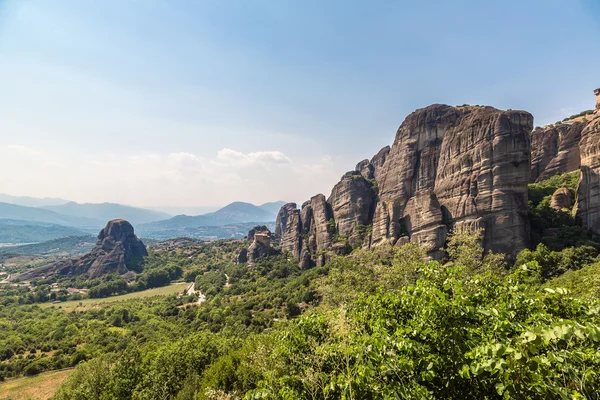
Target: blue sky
(181, 102)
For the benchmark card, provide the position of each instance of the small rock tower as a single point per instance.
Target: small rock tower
(597, 93)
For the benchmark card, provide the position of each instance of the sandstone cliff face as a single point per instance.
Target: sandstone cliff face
(561, 199)
(465, 167)
(449, 168)
(371, 169)
(352, 203)
(117, 245)
(305, 233)
(555, 150)
(288, 229)
(588, 194)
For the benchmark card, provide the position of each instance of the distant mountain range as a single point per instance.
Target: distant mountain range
(41, 215)
(31, 201)
(245, 212)
(178, 210)
(273, 207)
(56, 218)
(104, 212)
(234, 213)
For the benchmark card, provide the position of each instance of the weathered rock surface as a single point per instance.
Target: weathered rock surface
(561, 198)
(288, 228)
(555, 150)
(117, 246)
(322, 214)
(304, 233)
(352, 203)
(372, 169)
(588, 194)
(465, 167)
(261, 244)
(257, 229)
(449, 167)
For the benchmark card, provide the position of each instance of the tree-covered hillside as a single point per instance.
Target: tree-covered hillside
(373, 324)
(380, 323)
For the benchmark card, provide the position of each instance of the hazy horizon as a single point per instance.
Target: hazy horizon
(30, 201)
(192, 104)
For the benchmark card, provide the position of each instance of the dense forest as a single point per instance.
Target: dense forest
(387, 323)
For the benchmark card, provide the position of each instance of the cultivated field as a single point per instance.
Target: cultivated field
(91, 303)
(38, 387)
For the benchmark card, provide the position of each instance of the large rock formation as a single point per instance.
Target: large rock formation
(260, 245)
(588, 194)
(352, 203)
(288, 228)
(307, 232)
(117, 246)
(449, 167)
(465, 167)
(555, 150)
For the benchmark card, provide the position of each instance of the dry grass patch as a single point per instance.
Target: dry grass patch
(92, 303)
(40, 387)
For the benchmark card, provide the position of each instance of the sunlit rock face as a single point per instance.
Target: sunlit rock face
(555, 150)
(457, 167)
(448, 168)
(588, 194)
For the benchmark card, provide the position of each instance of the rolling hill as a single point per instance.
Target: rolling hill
(44, 216)
(31, 201)
(220, 222)
(68, 246)
(242, 212)
(107, 211)
(273, 207)
(14, 231)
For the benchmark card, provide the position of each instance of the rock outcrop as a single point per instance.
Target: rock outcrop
(588, 194)
(260, 245)
(555, 150)
(461, 168)
(288, 228)
(352, 203)
(255, 230)
(561, 199)
(307, 232)
(449, 168)
(117, 246)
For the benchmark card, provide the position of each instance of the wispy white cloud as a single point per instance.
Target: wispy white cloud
(264, 158)
(24, 149)
(175, 178)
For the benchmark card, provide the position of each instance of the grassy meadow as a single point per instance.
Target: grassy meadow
(91, 303)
